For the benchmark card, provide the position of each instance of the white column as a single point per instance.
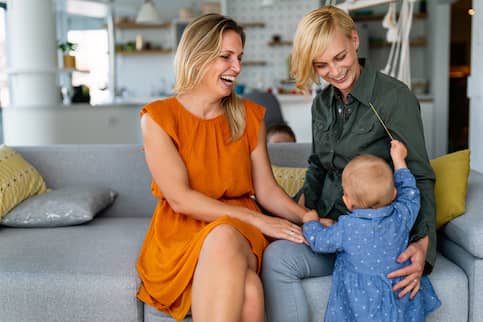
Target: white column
(31, 68)
(32, 53)
(475, 89)
(438, 55)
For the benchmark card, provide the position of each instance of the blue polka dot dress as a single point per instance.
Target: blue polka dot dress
(367, 243)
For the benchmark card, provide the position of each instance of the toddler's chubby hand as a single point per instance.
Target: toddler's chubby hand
(398, 150)
(327, 222)
(310, 215)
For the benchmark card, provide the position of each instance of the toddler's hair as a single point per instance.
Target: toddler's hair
(280, 128)
(368, 181)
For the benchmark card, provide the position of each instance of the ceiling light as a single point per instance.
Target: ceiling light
(148, 13)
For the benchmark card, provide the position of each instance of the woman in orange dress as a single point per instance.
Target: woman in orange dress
(206, 151)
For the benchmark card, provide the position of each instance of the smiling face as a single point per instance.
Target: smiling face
(338, 64)
(221, 74)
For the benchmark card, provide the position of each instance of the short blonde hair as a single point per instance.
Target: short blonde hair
(313, 36)
(199, 46)
(368, 181)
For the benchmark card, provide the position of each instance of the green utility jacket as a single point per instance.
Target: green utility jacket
(342, 131)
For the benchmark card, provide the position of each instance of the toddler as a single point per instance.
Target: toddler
(382, 210)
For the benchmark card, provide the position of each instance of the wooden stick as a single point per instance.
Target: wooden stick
(381, 121)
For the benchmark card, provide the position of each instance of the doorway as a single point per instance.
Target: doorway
(460, 62)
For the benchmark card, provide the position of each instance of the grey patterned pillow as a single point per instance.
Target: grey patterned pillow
(71, 205)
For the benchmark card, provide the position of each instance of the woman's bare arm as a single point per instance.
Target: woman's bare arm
(169, 173)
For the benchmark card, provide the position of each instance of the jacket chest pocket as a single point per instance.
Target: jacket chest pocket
(364, 128)
(321, 130)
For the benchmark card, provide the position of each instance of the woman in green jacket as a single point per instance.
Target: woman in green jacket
(360, 111)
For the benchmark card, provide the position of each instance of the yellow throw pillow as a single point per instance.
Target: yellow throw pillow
(452, 172)
(18, 180)
(290, 179)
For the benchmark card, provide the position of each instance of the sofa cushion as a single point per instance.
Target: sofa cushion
(71, 205)
(82, 272)
(466, 230)
(18, 180)
(451, 183)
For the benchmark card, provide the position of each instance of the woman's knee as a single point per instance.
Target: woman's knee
(294, 260)
(281, 256)
(225, 240)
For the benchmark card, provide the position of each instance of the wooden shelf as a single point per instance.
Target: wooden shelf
(144, 52)
(280, 43)
(252, 24)
(418, 42)
(254, 63)
(378, 17)
(73, 70)
(133, 25)
(287, 81)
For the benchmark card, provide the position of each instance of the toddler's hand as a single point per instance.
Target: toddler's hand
(327, 222)
(310, 215)
(398, 154)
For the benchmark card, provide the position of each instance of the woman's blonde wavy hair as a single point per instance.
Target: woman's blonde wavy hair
(199, 46)
(313, 36)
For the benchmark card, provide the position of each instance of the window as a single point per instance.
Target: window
(92, 62)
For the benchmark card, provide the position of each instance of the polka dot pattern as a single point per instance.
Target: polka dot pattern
(367, 242)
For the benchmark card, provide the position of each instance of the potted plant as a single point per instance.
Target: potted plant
(67, 49)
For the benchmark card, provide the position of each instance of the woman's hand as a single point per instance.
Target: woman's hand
(416, 252)
(279, 228)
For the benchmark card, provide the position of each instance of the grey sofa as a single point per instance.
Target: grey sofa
(87, 272)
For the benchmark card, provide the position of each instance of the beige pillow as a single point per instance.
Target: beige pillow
(18, 180)
(290, 179)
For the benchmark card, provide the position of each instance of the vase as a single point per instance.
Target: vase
(69, 62)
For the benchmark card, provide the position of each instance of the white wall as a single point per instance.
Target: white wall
(475, 89)
(280, 18)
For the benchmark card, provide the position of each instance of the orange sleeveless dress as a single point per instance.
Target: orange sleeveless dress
(220, 170)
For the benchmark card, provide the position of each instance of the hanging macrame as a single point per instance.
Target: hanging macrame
(398, 63)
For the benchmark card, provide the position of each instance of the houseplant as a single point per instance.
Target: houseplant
(68, 49)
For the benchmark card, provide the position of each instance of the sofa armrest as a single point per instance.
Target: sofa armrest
(467, 230)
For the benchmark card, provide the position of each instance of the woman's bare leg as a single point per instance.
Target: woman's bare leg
(223, 286)
(253, 308)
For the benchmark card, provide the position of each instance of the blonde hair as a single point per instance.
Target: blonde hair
(313, 36)
(368, 181)
(199, 46)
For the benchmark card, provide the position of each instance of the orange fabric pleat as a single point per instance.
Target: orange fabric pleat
(218, 168)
